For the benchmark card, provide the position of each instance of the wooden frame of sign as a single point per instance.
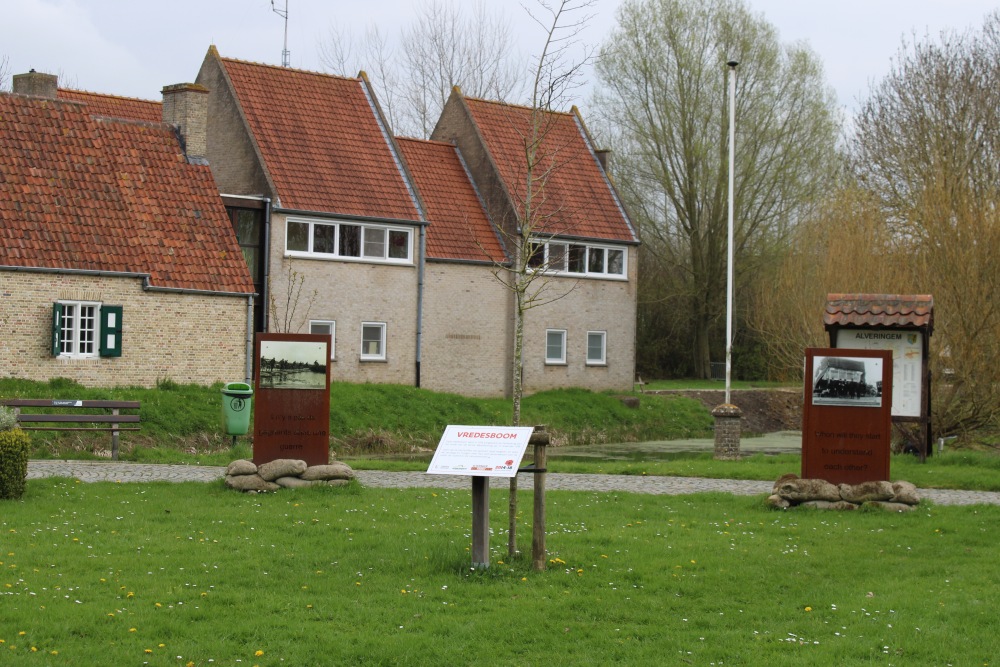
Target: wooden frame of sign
(292, 398)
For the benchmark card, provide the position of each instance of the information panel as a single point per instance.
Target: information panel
(480, 451)
(846, 425)
(292, 398)
(907, 363)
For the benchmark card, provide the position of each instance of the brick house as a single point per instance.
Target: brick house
(118, 264)
(585, 247)
(393, 246)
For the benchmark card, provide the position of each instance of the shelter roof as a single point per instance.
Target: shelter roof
(901, 311)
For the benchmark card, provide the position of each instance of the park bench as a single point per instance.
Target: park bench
(67, 415)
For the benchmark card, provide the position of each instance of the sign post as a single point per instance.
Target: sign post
(481, 452)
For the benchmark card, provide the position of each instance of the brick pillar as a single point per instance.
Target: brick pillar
(727, 432)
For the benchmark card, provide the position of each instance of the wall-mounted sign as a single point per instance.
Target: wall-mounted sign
(907, 362)
(292, 398)
(481, 451)
(847, 422)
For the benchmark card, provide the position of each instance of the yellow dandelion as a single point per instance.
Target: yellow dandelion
(809, 608)
(131, 629)
(147, 651)
(161, 645)
(157, 605)
(258, 653)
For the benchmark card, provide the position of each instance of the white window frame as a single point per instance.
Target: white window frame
(380, 354)
(558, 265)
(364, 244)
(603, 361)
(555, 361)
(70, 336)
(331, 326)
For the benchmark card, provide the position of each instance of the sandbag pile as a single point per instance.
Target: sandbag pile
(244, 475)
(790, 491)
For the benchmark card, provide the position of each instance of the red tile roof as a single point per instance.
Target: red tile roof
(879, 310)
(98, 194)
(459, 227)
(321, 141)
(129, 108)
(576, 199)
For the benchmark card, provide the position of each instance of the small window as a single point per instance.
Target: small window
(85, 330)
(328, 328)
(399, 244)
(595, 260)
(536, 255)
(596, 348)
(616, 261)
(577, 259)
(324, 239)
(373, 341)
(555, 346)
(375, 242)
(350, 241)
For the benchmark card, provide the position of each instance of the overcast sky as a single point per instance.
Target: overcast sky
(135, 47)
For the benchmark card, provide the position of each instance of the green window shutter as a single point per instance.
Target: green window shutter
(57, 315)
(111, 331)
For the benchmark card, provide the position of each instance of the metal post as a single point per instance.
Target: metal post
(729, 276)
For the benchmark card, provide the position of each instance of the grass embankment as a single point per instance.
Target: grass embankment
(193, 574)
(182, 423)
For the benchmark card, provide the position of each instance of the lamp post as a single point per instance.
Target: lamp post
(729, 271)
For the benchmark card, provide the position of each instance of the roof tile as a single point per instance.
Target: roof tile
(576, 197)
(881, 310)
(100, 194)
(459, 227)
(321, 141)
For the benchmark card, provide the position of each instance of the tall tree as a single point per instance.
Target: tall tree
(663, 94)
(927, 148)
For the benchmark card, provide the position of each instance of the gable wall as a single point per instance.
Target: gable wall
(468, 331)
(187, 338)
(230, 152)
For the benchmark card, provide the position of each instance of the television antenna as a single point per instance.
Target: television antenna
(285, 53)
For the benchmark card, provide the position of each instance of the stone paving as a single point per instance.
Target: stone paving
(109, 471)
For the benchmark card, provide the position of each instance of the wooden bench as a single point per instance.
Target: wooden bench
(70, 414)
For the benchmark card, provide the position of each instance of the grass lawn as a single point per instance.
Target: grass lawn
(194, 574)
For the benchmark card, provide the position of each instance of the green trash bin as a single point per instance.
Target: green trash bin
(236, 400)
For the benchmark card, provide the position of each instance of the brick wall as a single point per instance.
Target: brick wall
(587, 305)
(229, 149)
(349, 293)
(186, 338)
(468, 331)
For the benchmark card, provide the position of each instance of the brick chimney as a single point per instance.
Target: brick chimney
(602, 157)
(185, 106)
(36, 84)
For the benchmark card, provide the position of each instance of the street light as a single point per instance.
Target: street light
(729, 276)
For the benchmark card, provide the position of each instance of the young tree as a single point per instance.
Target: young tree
(664, 96)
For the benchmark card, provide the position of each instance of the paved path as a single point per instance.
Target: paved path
(110, 471)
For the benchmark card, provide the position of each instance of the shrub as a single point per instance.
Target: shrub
(8, 419)
(14, 445)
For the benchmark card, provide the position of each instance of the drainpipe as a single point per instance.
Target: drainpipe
(422, 252)
(265, 288)
(249, 363)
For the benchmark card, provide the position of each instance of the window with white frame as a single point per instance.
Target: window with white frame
(555, 346)
(325, 328)
(597, 348)
(581, 259)
(348, 240)
(86, 329)
(373, 341)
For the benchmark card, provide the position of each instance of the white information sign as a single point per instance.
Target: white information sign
(907, 363)
(480, 451)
